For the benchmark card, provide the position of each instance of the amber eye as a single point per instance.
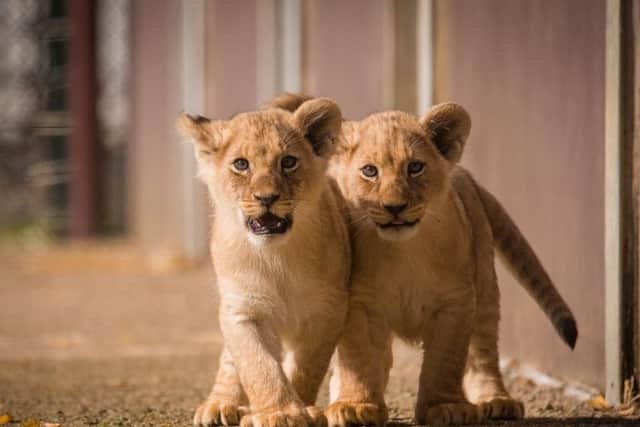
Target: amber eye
(415, 168)
(369, 171)
(289, 163)
(240, 164)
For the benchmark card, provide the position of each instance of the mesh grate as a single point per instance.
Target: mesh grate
(34, 122)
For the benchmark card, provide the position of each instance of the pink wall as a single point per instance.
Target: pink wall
(230, 57)
(154, 156)
(531, 73)
(344, 55)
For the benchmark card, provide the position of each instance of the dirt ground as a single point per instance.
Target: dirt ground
(100, 335)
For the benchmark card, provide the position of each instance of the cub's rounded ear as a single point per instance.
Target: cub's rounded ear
(287, 101)
(449, 125)
(348, 140)
(319, 120)
(204, 133)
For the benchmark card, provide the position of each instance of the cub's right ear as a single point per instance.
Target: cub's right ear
(319, 120)
(205, 134)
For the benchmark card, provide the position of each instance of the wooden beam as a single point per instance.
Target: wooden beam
(83, 140)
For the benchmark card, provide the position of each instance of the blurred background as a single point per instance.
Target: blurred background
(95, 182)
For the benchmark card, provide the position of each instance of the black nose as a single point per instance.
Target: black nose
(266, 201)
(395, 209)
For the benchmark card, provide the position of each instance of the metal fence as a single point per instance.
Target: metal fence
(23, 72)
(35, 122)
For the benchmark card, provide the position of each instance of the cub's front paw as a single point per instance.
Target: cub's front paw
(317, 416)
(215, 413)
(450, 413)
(310, 416)
(343, 414)
(503, 408)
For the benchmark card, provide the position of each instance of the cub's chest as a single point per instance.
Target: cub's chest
(420, 266)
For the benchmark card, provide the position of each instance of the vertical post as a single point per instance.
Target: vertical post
(279, 48)
(405, 55)
(621, 197)
(83, 141)
(612, 205)
(194, 220)
(633, 115)
(388, 33)
(267, 50)
(424, 45)
(290, 48)
(630, 186)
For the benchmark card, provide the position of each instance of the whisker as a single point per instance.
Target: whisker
(414, 209)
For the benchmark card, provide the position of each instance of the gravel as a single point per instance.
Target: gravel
(89, 335)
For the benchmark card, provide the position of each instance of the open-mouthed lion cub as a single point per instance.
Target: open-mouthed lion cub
(423, 240)
(280, 250)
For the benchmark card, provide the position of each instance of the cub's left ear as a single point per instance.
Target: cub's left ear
(449, 125)
(319, 120)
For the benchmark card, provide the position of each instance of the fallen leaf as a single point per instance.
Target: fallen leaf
(5, 419)
(30, 423)
(599, 403)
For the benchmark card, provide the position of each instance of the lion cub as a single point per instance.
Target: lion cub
(280, 250)
(424, 270)
(423, 235)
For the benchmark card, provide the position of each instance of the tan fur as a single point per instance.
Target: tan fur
(283, 298)
(434, 284)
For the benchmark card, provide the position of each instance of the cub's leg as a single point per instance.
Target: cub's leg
(483, 381)
(227, 402)
(441, 400)
(362, 369)
(308, 360)
(255, 349)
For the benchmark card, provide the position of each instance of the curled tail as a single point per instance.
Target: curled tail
(527, 268)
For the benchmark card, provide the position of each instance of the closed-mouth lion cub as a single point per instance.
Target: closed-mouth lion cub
(423, 236)
(280, 249)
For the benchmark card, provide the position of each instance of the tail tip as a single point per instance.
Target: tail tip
(568, 330)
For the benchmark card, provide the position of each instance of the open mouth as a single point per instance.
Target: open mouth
(398, 223)
(269, 223)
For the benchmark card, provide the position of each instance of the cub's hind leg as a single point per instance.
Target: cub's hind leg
(227, 402)
(483, 383)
